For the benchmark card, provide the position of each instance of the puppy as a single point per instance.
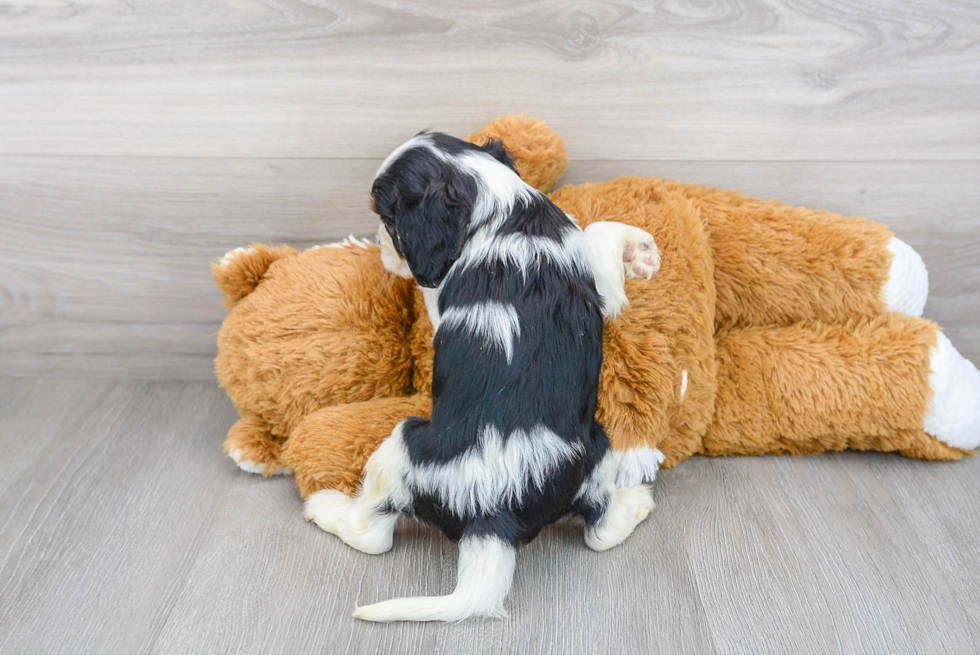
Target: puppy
(517, 294)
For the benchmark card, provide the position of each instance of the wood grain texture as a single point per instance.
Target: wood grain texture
(105, 518)
(721, 79)
(125, 530)
(139, 141)
(104, 264)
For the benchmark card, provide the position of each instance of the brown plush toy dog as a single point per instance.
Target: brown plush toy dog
(769, 329)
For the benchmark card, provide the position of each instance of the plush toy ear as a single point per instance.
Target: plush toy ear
(432, 230)
(537, 151)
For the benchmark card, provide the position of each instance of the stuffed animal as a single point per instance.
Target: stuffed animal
(769, 329)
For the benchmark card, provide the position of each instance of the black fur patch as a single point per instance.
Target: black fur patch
(552, 378)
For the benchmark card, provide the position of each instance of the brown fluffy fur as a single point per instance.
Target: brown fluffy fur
(773, 311)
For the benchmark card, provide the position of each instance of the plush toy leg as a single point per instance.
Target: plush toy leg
(869, 385)
(254, 448)
(329, 448)
(953, 416)
(777, 264)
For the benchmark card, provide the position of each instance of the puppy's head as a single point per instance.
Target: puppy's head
(425, 195)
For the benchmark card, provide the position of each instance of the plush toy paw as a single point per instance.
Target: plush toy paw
(252, 466)
(954, 412)
(907, 287)
(626, 510)
(232, 254)
(251, 445)
(641, 257)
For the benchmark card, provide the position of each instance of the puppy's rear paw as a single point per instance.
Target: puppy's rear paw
(327, 508)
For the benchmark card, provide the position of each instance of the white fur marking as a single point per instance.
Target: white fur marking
(431, 298)
(351, 519)
(483, 580)
(418, 141)
(495, 472)
(357, 520)
(627, 508)
(637, 465)
(683, 384)
(495, 323)
(244, 250)
(907, 288)
(500, 188)
(390, 259)
(605, 249)
(953, 416)
(252, 467)
(525, 252)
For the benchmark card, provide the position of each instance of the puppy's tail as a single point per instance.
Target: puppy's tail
(486, 571)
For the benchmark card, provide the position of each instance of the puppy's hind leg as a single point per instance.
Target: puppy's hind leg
(611, 514)
(366, 521)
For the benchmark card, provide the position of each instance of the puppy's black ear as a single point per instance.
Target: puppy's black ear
(495, 148)
(432, 231)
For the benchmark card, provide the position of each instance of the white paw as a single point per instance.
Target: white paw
(246, 250)
(954, 411)
(618, 251)
(357, 524)
(907, 287)
(328, 508)
(249, 466)
(627, 510)
(637, 465)
(641, 257)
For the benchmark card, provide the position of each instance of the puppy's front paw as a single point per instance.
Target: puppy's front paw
(641, 257)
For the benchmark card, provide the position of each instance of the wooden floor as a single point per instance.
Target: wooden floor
(123, 529)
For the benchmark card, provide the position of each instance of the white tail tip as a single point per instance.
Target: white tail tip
(486, 571)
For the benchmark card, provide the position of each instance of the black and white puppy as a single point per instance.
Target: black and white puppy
(517, 294)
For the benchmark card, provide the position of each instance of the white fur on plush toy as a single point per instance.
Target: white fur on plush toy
(249, 466)
(954, 413)
(907, 287)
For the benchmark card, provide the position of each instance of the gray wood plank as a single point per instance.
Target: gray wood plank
(755, 80)
(265, 582)
(128, 531)
(802, 554)
(32, 413)
(941, 506)
(109, 516)
(105, 260)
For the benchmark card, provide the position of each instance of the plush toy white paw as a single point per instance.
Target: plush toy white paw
(954, 412)
(907, 287)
